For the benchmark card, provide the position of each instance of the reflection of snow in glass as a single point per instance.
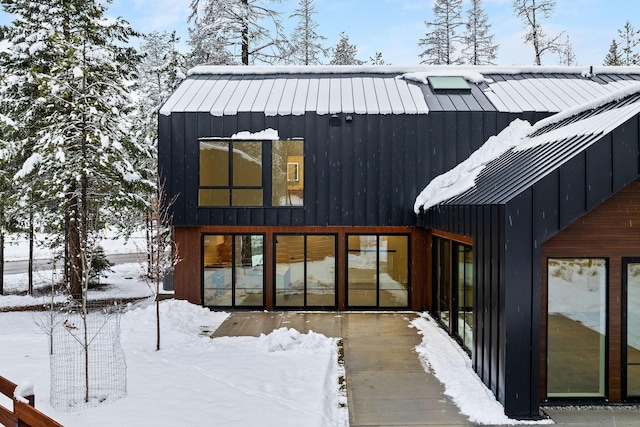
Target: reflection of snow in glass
(633, 305)
(577, 290)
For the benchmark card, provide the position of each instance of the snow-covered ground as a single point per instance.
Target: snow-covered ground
(281, 379)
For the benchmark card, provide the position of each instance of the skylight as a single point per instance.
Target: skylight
(448, 83)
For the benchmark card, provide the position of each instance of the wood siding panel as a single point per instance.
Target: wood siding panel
(612, 231)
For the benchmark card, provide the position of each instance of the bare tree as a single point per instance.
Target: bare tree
(441, 38)
(162, 254)
(566, 55)
(532, 13)
(480, 48)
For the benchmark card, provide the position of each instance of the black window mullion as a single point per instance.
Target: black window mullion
(230, 177)
(266, 173)
(377, 271)
(233, 270)
(304, 254)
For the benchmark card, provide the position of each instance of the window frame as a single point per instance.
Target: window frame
(233, 268)
(267, 180)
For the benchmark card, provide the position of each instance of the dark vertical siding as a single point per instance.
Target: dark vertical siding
(359, 169)
(323, 171)
(383, 198)
(177, 167)
(625, 154)
(521, 391)
(373, 163)
(598, 158)
(347, 178)
(572, 190)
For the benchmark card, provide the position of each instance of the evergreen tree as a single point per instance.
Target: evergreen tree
(229, 26)
(208, 38)
(377, 59)
(630, 39)
(479, 46)
(532, 13)
(70, 74)
(441, 40)
(306, 43)
(345, 53)
(613, 56)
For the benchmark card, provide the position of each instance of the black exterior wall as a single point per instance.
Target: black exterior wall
(363, 173)
(507, 258)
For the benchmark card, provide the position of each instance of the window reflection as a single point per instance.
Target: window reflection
(233, 270)
(577, 312)
(305, 271)
(378, 271)
(633, 328)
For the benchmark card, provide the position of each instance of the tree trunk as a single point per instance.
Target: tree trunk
(1, 257)
(31, 238)
(75, 254)
(245, 34)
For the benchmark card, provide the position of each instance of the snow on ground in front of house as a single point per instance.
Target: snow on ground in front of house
(451, 365)
(125, 282)
(17, 245)
(281, 379)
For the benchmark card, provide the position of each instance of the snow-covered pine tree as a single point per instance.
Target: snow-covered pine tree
(208, 37)
(613, 56)
(630, 38)
(247, 30)
(344, 53)
(532, 13)
(441, 39)
(479, 47)
(377, 59)
(305, 43)
(70, 75)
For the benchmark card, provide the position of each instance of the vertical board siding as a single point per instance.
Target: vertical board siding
(521, 396)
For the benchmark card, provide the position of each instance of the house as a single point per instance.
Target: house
(302, 188)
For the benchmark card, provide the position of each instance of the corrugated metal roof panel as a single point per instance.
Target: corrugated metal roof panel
(380, 90)
(544, 151)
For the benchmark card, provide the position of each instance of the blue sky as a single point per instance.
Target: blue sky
(393, 27)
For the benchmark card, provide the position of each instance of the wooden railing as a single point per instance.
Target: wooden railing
(23, 414)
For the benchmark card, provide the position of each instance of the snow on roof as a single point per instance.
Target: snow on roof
(456, 70)
(517, 137)
(369, 89)
(264, 135)
(463, 177)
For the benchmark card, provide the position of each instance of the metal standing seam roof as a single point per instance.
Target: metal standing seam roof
(382, 90)
(544, 151)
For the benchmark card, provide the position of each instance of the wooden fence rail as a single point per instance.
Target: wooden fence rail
(23, 414)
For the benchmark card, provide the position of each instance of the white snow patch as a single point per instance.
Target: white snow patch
(28, 166)
(452, 366)
(421, 77)
(264, 135)
(78, 73)
(23, 391)
(462, 177)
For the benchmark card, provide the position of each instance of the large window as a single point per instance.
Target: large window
(453, 288)
(305, 271)
(233, 270)
(232, 173)
(378, 271)
(631, 281)
(577, 313)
